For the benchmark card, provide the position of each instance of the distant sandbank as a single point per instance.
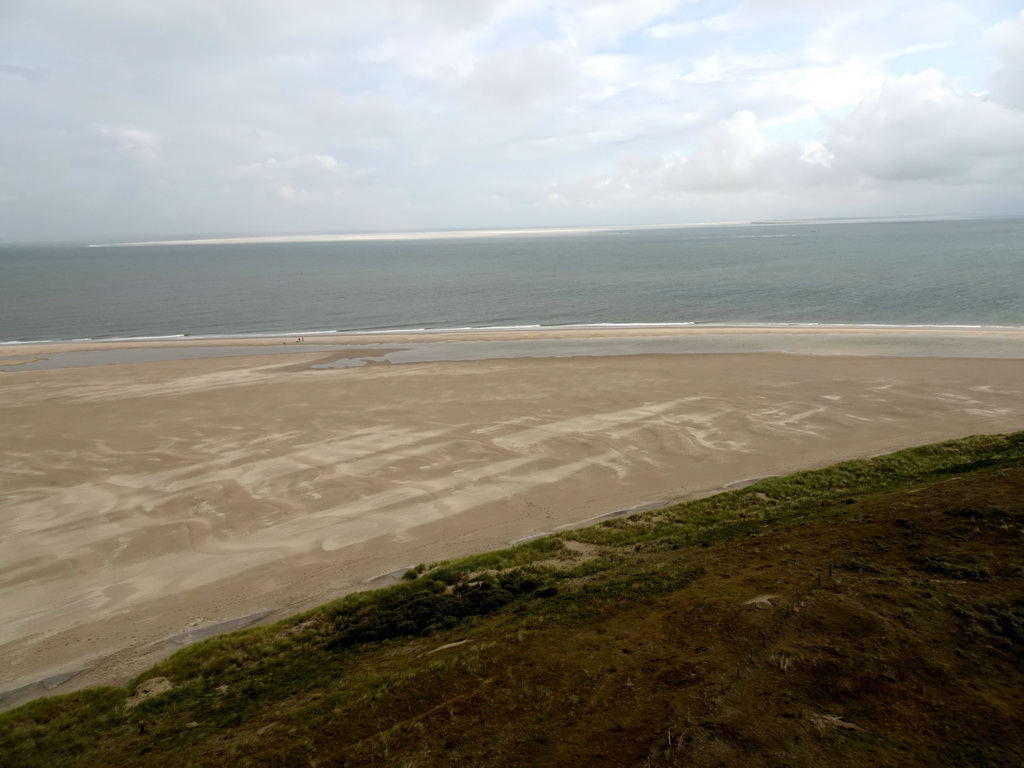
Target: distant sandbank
(461, 234)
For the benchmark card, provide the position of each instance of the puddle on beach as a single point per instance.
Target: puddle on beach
(91, 358)
(882, 344)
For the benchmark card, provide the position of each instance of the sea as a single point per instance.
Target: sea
(930, 273)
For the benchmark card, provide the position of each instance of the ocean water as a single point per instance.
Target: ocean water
(899, 273)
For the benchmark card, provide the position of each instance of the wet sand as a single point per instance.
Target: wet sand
(144, 505)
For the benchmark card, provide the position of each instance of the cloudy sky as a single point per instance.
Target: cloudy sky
(150, 118)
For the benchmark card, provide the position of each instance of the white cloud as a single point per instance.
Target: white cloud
(143, 147)
(828, 88)
(719, 23)
(310, 179)
(166, 115)
(311, 162)
(1007, 75)
(520, 78)
(606, 74)
(731, 155)
(913, 130)
(595, 25)
(921, 127)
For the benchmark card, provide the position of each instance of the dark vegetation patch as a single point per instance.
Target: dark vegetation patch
(426, 606)
(938, 566)
(868, 614)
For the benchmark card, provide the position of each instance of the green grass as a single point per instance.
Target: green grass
(800, 495)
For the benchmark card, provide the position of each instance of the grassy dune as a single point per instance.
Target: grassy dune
(870, 613)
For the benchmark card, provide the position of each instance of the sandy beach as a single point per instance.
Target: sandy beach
(144, 504)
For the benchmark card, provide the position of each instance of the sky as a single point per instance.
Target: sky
(127, 119)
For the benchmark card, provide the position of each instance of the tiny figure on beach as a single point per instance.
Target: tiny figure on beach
(142, 729)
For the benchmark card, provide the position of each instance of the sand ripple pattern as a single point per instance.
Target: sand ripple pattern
(163, 492)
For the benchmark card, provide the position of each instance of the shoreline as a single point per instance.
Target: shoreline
(144, 502)
(17, 350)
